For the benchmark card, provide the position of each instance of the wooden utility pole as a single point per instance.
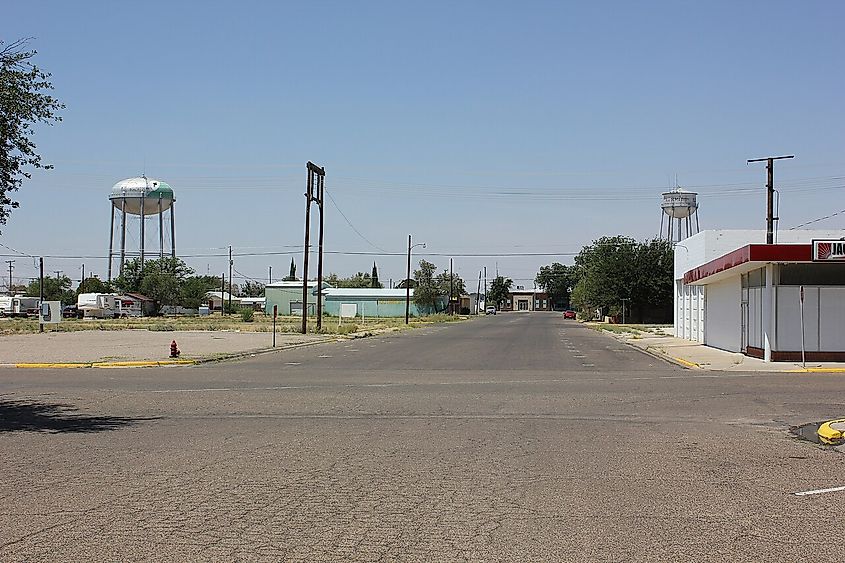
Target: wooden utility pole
(10, 263)
(451, 285)
(230, 277)
(770, 193)
(82, 281)
(314, 185)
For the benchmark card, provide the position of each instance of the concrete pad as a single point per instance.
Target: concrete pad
(695, 355)
(136, 345)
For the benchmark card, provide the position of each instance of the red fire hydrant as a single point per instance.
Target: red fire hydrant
(174, 350)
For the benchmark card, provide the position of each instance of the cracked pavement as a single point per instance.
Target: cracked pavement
(520, 437)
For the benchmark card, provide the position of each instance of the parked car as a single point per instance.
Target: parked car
(490, 310)
(69, 311)
(569, 314)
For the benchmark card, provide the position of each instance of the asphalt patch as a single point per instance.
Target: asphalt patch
(808, 431)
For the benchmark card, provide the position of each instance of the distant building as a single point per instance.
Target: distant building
(521, 299)
(372, 302)
(287, 296)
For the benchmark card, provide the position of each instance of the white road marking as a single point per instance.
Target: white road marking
(323, 356)
(578, 356)
(819, 491)
(293, 363)
(589, 365)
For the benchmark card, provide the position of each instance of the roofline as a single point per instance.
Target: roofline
(762, 253)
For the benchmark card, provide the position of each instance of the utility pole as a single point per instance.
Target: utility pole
(222, 289)
(408, 284)
(315, 183)
(451, 285)
(10, 263)
(82, 281)
(57, 272)
(478, 295)
(623, 308)
(485, 287)
(270, 275)
(41, 290)
(770, 192)
(230, 277)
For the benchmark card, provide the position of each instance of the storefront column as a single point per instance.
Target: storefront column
(769, 326)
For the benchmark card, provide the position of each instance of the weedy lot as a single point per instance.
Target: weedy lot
(259, 323)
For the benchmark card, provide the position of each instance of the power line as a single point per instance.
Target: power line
(348, 222)
(816, 220)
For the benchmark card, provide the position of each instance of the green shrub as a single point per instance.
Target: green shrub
(247, 315)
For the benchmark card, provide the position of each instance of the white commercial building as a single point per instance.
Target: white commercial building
(736, 293)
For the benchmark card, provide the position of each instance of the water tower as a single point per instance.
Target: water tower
(145, 198)
(681, 206)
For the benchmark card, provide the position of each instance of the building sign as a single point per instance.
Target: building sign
(829, 251)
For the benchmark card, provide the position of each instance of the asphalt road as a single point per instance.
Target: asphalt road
(519, 437)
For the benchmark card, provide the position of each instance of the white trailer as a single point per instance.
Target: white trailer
(21, 306)
(98, 305)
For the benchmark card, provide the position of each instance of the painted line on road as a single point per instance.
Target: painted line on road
(819, 491)
(816, 370)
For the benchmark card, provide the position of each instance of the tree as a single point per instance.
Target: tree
(615, 268)
(499, 291)
(557, 281)
(55, 289)
(360, 279)
(456, 286)
(426, 291)
(194, 289)
(94, 285)
(252, 288)
(292, 275)
(162, 280)
(24, 102)
(374, 283)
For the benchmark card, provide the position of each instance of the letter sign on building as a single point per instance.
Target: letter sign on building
(829, 251)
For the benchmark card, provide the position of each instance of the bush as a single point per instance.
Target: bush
(247, 315)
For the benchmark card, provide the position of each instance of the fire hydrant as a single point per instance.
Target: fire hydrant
(174, 350)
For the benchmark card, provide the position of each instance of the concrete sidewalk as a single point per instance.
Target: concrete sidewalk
(137, 345)
(698, 356)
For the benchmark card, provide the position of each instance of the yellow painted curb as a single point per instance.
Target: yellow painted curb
(685, 362)
(828, 434)
(53, 365)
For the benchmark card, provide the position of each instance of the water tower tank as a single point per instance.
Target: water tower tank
(679, 204)
(133, 190)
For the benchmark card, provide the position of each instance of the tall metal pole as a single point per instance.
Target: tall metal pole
(408, 284)
(41, 290)
(230, 277)
(82, 282)
(320, 189)
(160, 230)
(270, 275)
(770, 193)
(172, 230)
(111, 239)
(222, 289)
(308, 192)
(122, 235)
(143, 199)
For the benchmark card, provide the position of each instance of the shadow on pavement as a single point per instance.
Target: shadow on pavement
(37, 416)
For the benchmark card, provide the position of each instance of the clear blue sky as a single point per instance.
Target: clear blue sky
(479, 127)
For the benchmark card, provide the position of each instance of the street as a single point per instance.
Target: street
(515, 437)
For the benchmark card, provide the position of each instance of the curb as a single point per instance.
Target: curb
(816, 370)
(660, 355)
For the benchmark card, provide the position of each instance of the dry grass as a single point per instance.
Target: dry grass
(234, 322)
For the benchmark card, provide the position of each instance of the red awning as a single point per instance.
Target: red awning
(762, 253)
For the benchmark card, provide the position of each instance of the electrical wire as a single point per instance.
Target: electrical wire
(348, 222)
(816, 220)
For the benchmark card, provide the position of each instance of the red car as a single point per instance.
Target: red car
(569, 314)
